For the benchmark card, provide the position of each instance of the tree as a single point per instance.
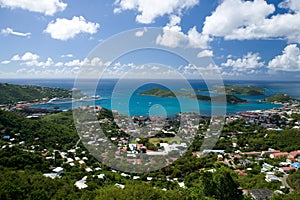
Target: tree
(226, 187)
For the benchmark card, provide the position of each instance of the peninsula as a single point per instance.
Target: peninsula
(10, 93)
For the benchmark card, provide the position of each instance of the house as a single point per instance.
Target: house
(120, 186)
(294, 154)
(266, 167)
(125, 175)
(88, 169)
(261, 194)
(51, 175)
(6, 137)
(181, 184)
(57, 172)
(213, 151)
(241, 172)
(238, 156)
(271, 178)
(269, 152)
(81, 184)
(296, 165)
(286, 170)
(279, 155)
(102, 176)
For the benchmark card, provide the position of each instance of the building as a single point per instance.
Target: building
(81, 184)
(261, 194)
(286, 170)
(296, 165)
(267, 167)
(271, 178)
(269, 152)
(279, 155)
(57, 172)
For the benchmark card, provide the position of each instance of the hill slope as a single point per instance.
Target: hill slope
(10, 93)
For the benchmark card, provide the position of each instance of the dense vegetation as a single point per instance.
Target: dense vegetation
(22, 168)
(47, 133)
(283, 98)
(160, 92)
(258, 138)
(10, 93)
(21, 176)
(294, 180)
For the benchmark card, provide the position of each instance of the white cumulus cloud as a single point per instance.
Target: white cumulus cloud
(205, 53)
(10, 31)
(47, 7)
(290, 4)
(28, 56)
(173, 36)
(64, 29)
(232, 14)
(67, 56)
(94, 62)
(245, 20)
(250, 61)
(289, 60)
(5, 62)
(36, 63)
(149, 10)
(141, 32)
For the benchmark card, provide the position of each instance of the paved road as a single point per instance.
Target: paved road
(283, 180)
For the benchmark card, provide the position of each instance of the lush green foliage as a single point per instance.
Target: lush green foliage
(294, 180)
(283, 98)
(10, 93)
(46, 133)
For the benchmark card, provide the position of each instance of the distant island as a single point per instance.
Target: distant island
(234, 89)
(10, 93)
(244, 90)
(160, 92)
(278, 98)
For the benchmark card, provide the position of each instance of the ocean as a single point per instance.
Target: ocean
(125, 96)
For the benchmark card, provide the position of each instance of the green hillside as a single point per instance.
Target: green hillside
(283, 98)
(10, 93)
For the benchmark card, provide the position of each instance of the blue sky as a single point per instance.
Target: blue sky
(254, 39)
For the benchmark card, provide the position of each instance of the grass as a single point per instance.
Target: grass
(169, 140)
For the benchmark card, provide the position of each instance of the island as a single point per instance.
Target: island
(160, 92)
(278, 98)
(244, 90)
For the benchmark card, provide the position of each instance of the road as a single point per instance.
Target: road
(284, 183)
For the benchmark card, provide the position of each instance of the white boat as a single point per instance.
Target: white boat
(61, 100)
(92, 98)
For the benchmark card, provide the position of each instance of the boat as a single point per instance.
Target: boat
(92, 98)
(61, 100)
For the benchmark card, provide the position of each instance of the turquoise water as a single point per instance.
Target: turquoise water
(128, 101)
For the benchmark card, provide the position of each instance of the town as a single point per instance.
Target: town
(142, 144)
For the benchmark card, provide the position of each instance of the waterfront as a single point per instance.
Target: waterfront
(140, 105)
